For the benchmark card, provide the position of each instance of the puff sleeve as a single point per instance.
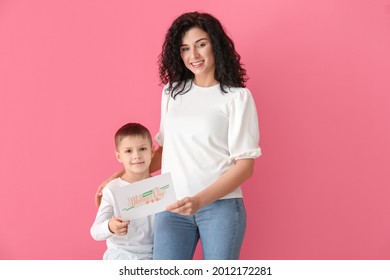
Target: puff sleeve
(159, 138)
(243, 132)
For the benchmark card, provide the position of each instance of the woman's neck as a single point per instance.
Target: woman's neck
(205, 82)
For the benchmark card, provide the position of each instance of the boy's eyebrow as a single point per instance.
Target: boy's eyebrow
(136, 147)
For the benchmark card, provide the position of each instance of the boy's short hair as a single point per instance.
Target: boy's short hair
(132, 129)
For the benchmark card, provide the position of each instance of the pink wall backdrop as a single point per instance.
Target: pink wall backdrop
(72, 72)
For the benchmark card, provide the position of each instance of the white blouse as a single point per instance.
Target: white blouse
(203, 132)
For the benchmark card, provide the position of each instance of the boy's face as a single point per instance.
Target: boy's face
(135, 152)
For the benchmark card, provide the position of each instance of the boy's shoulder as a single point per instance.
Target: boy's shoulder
(115, 183)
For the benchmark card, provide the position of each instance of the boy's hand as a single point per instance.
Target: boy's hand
(118, 226)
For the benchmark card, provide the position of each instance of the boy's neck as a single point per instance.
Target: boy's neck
(134, 177)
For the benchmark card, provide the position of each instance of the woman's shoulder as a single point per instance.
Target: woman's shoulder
(240, 97)
(238, 90)
(239, 93)
(175, 87)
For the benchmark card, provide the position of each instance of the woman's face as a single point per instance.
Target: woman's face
(197, 54)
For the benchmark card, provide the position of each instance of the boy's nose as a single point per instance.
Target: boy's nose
(136, 155)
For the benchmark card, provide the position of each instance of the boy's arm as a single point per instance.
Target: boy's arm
(100, 229)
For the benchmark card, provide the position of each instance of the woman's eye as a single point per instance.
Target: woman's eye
(184, 49)
(201, 45)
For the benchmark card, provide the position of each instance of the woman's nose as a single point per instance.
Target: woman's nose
(195, 53)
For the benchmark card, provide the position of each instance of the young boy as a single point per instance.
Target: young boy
(126, 240)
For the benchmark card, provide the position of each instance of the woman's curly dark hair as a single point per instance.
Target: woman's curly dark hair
(228, 69)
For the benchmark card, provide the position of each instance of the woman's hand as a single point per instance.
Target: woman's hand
(99, 192)
(186, 206)
(118, 226)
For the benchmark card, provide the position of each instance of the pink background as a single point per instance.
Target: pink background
(72, 72)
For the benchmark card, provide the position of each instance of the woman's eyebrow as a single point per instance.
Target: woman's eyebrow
(197, 41)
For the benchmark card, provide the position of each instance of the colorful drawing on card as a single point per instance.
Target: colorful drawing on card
(145, 197)
(150, 196)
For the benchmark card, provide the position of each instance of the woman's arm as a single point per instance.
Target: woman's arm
(228, 182)
(99, 192)
(155, 165)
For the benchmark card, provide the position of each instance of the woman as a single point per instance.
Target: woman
(208, 138)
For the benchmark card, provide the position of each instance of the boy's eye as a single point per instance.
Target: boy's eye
(143, 149)
(127, 151)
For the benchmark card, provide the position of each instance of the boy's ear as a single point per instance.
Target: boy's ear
(118, 156)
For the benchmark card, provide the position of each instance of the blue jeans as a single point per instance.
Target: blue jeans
(220, 226)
